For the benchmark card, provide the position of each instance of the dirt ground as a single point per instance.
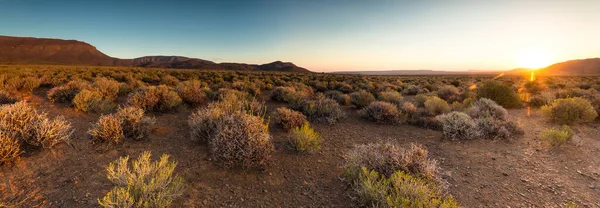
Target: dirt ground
(482, 173)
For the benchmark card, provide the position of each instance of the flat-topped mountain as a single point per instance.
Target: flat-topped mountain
(27, 50)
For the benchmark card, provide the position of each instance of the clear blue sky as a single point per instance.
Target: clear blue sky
(324, 35)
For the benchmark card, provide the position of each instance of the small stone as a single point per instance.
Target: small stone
(505, 174)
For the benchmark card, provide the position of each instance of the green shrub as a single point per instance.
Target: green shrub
(361, 98)
(557, 137)
(159, 98)
(436, 106)
(288, 118)
(340, 97)
(448, 93)
(107, 129)
(390, 96)
(9, 149)
(143, 184)
(134, 123)
(24, 123)
(499, 93)
(382, 112)
(458, 126)
(304, 138)
(92, 100)
(570, 111)
(191, 92)
(420, 100)
(66, 93)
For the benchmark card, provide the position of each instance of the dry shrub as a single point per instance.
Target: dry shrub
(92, 101)
(487, 108)
(169, 80)
(205, 122)
(322, 110)
(390, 96)
(448, 92)
(381, 112)
(499, 93)
(288, 118)
(305, 139)
(420, 100)
(458, 126)
(570, 111)
(134, 123)
(66, 93)
(107, 129)
(540, 100)
(191, 92)
(490, 128)
(340, 97)
(241, 139)
(6, 98)
(9, 149)
(436, 106)
(557, 137)
(109, 88)
(143, 184)
(411, 90)
(361, 98)
(291, 95)
(22, 122)
(155, 98)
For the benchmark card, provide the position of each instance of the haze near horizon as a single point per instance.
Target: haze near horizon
(324, 35)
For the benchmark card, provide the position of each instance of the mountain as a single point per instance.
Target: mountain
(418, 72)
(26, 50)
(590, 66)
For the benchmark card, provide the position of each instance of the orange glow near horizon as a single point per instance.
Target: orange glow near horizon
(533, 59)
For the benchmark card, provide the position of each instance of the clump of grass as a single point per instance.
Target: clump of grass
(305, 139)
(361, 98)
(288, 118)
(557, 137)
(143, 183)
(570, 110)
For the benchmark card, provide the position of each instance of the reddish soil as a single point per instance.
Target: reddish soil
(482, 173)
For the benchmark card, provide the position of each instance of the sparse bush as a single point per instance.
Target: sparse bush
(390, 96)
(420, 100)
(557, 137)
(305, 138)
(66, 93)
(22, 122)
(169, 80)
(6, 98)
(205, 122)
(108, 88)
(436, 106)
(361, 98)
(540, 100)
(159, 98)
(322, 110)
(499, 93)
(9, 148)
(51, 132)
(570, 111)
(484, 107)
(448, 92)
(490, 128)
(191, 92)
(411, 90)
(289, 119)
(382, 112)
(107, 129)
(340, 97)
(143, 184)
(92, 100)
(458, 126)
(134, 123)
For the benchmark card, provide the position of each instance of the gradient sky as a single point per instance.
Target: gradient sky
(323, 35)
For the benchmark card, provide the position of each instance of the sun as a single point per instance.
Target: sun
(533, 60)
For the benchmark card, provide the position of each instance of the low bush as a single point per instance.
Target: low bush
(92, 101)
(484, 107)
(24, 123)
(540, 100)
(557, 137)
(340, 97)
(361, 98)
(570, 111)
(490, 128)
(134, 123)
(155, 98)
(191, 92)
(6, 98)
(448, 93)
(322, 110)
(458, 126)
(9, 149)
(143, 183)
(107, 129)
(499, 93)
(420, 100)
(436, 106)
(411, 90)
(288, 118)
(108, 88)
(66, 93)
(305, 139)
(390, 96)
(381, 112)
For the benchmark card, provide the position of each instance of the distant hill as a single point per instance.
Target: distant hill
(418, 72)
(590, 66)
(27, 50)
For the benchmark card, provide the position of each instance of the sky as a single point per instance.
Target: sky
(324, 35)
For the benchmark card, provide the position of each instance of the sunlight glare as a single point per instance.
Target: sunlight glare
(533, 60)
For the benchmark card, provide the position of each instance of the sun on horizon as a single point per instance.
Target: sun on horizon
(533, 60)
